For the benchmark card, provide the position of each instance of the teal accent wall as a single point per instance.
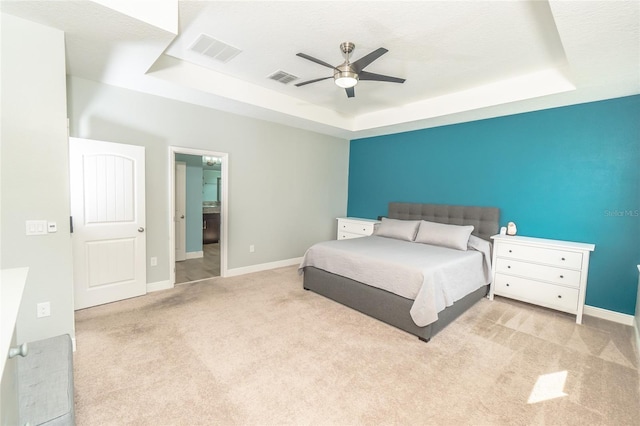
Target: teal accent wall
(194, 201)
(569, 173)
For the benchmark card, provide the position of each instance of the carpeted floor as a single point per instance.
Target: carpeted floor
(259, 350)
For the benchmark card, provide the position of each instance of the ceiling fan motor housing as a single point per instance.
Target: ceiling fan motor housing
(346, 48)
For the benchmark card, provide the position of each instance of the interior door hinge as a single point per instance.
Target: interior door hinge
(71, 223)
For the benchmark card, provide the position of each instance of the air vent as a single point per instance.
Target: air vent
(283, 77)
(214, 49)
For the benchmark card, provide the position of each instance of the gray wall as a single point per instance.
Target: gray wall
(35, 173)
(286, 185)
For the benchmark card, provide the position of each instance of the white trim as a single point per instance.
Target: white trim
(263, 267)
(605, 314)
(73, 344)
(195, 254)
(637, 319)
(159, 285)
(637, 327)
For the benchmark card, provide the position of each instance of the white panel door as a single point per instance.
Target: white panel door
(108, 210)
(181, 208)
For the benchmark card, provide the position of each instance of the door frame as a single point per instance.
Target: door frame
(224, 210)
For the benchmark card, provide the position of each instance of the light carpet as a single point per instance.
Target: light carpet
(259, 350)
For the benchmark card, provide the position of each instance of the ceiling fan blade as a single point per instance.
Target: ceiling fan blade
(367, 59)
(363, 75)
(317, 61)
(350, 92)
(312, 81)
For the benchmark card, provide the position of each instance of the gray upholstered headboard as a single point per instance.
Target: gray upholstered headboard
(484, 219)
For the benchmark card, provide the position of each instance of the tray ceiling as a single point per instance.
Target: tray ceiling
(461, 60)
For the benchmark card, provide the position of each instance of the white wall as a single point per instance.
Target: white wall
(34, 173)
(286, 185)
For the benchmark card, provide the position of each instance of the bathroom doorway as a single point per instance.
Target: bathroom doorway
(199, 227)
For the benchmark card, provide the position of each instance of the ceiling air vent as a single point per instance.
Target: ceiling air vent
(214, 49)
(283, 77)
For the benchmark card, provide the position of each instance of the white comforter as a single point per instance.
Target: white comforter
(433, 277)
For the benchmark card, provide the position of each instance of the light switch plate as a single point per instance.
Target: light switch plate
(36, 227)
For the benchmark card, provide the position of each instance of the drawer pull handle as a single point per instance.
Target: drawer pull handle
(508, 284)
(563, 259)
(510, 251)
(559, 296)
(561, 276)
(508, 266)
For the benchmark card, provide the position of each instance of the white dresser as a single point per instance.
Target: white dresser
(549, 273)
(354, 227)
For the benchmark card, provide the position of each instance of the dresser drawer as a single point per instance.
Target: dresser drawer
(568, 277)
(361, 228)
(561, 258)
(543, 294)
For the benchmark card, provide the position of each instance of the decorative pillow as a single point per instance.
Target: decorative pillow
(398, 229)
(441, 234)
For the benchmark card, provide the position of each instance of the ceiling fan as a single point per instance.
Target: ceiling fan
(347, 74)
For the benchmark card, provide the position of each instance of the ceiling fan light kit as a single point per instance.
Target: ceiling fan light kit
(345, 79)
(347, 74)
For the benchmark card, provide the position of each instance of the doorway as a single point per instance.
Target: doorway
(205, 219)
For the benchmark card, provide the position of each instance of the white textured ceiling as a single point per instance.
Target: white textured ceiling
(462, 60)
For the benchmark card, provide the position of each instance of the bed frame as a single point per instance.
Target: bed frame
(394, 309)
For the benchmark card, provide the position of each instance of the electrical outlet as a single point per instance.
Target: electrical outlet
(252, 248)
(44, 309)
(154, 261)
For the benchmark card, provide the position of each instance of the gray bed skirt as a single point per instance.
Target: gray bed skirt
(381, 304)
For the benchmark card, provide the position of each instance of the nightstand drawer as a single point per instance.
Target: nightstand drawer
(347, 235)
(561, 258)
(361, 228)
(552, 274)
(548, 295)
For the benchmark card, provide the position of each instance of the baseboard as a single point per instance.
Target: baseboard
(605, 314)
(159, 285)
(194, 254)
(263, 267)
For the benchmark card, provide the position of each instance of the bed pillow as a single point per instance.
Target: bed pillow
(441, 234)
(398, 229)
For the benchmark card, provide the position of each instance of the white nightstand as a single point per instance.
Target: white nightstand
(354, 227)
(548, 273)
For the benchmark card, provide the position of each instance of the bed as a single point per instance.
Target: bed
(383, 302)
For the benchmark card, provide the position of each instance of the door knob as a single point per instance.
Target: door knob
(21, 350)
(141, 229)
(182, 217)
